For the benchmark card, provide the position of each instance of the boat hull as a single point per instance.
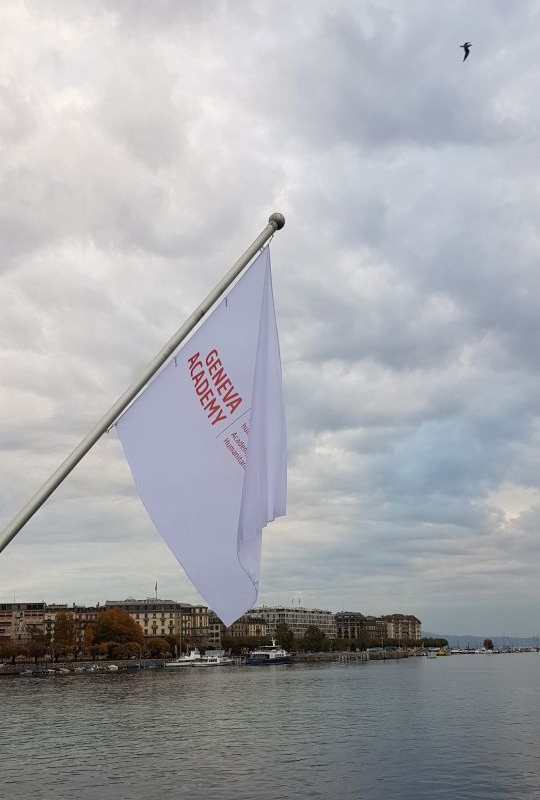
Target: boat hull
(267, 662)
(184, 661)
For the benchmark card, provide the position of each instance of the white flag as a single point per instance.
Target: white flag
(206, 444)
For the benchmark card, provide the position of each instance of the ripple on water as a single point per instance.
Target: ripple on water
(463, 727)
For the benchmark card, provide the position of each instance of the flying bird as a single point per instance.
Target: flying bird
(467, 47)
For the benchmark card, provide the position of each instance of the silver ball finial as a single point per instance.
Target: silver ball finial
(277, 220)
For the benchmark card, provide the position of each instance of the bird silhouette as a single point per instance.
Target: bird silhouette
(467, 47)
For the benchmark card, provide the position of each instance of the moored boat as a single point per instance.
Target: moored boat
(213, 658)
(268, 654)
(185, 661)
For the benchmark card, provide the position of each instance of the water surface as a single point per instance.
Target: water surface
(460, 727)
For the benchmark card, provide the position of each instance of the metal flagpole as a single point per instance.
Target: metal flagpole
(275, 223)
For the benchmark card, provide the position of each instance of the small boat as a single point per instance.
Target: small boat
(40, 672)
(213, 658)
(185, 661)
(268, 654)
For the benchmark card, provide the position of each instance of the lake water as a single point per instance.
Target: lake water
(467, 726)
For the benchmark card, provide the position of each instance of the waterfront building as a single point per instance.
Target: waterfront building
(195, 625)
(350, 625)
(403, 626)
(298, 619)
(248, 626)
(154, 617)
(376, 629)
(36, 622)
(160, 618)
(49, 620)
(84, 617)
(353, 625)
(22, 622)
(198, 622)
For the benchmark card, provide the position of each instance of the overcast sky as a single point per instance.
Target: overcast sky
(143, 146)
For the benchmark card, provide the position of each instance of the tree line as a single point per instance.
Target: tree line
(315, 640)
(115, 635)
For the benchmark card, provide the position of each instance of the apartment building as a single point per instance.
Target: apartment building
(298, 619)
(196, 625)
(350, 624)
(82, 616)
(166, 618)
(21, 622)
(403, 626)
(248, 626)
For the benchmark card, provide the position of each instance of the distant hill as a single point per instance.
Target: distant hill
(463, 639)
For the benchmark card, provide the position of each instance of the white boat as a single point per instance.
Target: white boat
(213, 658)
(185, 661)
(268, 654)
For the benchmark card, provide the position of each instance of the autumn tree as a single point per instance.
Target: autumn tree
(36, 634)
(118, 649)
(11, 650)
(36, 650)
(157, 647)
(64, 634)
(88, 639)
(36, 647)
(115, 626)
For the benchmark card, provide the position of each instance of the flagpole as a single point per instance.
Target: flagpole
(276, 221)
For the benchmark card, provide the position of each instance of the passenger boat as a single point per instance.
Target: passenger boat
(185, 661)
(213, 658)
(268, 654)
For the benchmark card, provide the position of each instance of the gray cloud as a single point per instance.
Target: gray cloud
(143, 147)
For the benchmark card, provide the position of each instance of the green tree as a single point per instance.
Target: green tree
(240, 645)
(434, 643)
(315, 640)
(232, 644)
(488, 644)
(284, 636)
(175, 644)
(116, 626)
